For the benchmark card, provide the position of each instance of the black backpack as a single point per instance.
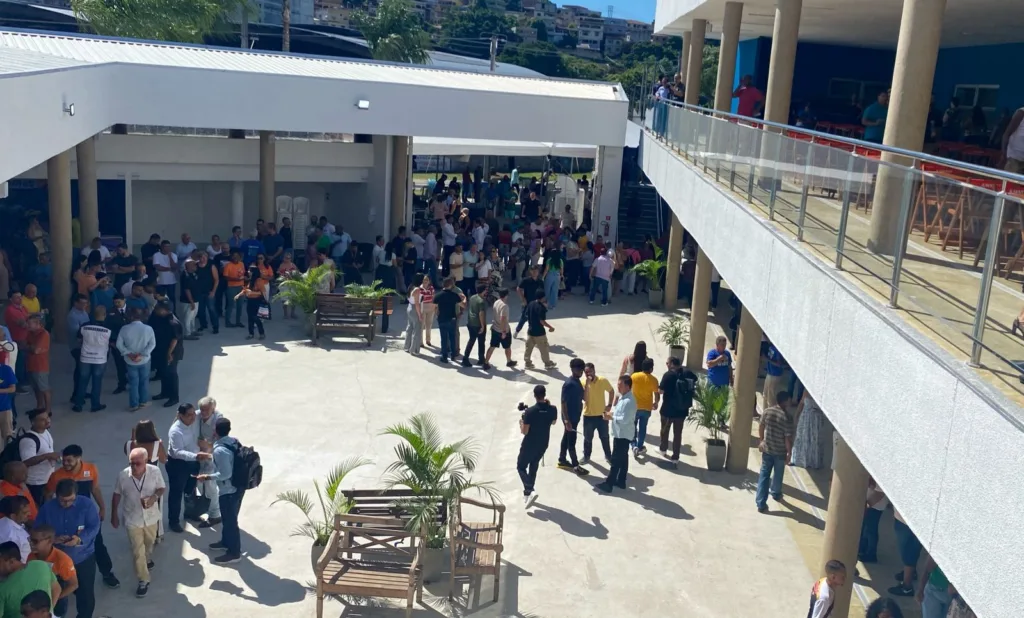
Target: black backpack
(684, 392)
(12, 448)
(247, 471)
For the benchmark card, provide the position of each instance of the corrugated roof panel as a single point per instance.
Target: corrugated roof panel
(95, 50)
(20, 61)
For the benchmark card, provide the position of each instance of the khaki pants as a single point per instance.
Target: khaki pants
(541, 343)
(429, 310)
(142, 540)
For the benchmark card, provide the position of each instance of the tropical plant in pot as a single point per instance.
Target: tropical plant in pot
(710, 412)
(673, 332)
(652, 270)
(299, 289)
(437, 473)
(330, 501)
(374, 290)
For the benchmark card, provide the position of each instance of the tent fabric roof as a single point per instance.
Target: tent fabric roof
(452, 147)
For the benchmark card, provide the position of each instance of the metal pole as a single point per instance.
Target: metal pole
(901, 237)
(987, 274)
(803, 192)
(776, 176)
(494, 53)
(844, 213)
(732, 163)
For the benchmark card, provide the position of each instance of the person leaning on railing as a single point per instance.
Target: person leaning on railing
(1013, 144)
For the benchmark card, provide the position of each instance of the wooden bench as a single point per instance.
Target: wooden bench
(388, 503)
(371, 557)
(476, 546)
(336, 312)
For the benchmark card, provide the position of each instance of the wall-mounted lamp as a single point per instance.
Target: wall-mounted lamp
(363, 104)
(69, 109)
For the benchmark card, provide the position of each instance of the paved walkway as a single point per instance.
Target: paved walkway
(678, 540)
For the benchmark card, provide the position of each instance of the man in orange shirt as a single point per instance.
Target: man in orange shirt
(41, 540)
(37, 348)
(13, 484)
(87, 479)
(234, 274)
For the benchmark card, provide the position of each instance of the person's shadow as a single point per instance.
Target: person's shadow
(569, 523)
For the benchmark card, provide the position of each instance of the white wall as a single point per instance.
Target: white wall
(945, 447)
(611, 184)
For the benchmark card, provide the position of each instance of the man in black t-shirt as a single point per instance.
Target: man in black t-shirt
(535, 425)
(677, 396)
(168, 352)
(150, 249)
(531, 208)
(189, 299)
(448, 302)
(572, 412)
(527, 291)
(122, 266)
(207, 283)
(536, 337)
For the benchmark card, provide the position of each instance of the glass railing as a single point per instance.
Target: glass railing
(951, 257)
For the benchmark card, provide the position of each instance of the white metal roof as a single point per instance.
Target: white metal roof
(451, 147)
(21, 61)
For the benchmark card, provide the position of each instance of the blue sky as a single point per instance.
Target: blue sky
(642, 10)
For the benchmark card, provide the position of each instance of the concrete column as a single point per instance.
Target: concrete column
(748, 360)
(695, 63)
(916, 54)
(400, 172)
(267, 196)
(844, 518)
(58, 188)
(727, 55)
(129, 213)
(783, 58)
(699, 312)
(88, 203)
(684, 56)
(605, 210)
(672, 263)
(238, 204)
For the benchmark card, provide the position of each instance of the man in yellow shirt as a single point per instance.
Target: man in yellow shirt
(645, 391)
(598, 398)
(30, 299)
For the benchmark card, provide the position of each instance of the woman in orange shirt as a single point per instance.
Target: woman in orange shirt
(286, 268)
(254, 294)
(266, 272)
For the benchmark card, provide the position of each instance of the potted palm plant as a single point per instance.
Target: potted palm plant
(652, 270)
(711, 413)
(299, 289)
(377, 292)
(673, 332)
(430, 468)
(329, 501)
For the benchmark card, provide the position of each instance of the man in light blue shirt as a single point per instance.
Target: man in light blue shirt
(874, 118)
(136, 343)
(623, 419)
(77, 318)
(224, 450)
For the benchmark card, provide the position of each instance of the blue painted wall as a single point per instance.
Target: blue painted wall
(746, 64)
(817, 64)
(986, 64)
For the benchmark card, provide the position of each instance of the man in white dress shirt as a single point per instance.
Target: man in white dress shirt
(184, 452)
(137, 495)
(15, 511)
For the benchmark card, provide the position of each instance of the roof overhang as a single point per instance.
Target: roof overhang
(115, 81)
(451, 147)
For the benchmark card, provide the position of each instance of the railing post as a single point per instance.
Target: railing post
(707, 145)
(901, 239)
(987, 274)
(844, 214)
(776, 175)
(804, 191)
(733, 154)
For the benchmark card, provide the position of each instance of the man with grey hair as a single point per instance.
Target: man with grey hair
(136, 503)
(208, 417)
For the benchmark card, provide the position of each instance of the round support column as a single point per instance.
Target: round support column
(267, 196)
(846, 500)
(699, 312)
(88, 202)
(783, 59)
(727, 55)
(58, 188)
(748, 361)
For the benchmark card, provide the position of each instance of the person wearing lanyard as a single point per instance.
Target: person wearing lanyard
(141, 485)
(183, 456)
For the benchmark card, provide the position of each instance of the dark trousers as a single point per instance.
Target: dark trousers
(252, 307)
(716, 286)
(446, 256)
(231, 536)
(385, 319)
(122, 369)
(168, 291)
(85, 596)
(38, 492)
(103, 561)
(168, 375)
(620, 462)
(522, 320)
(526, 465)
(179, 480)
(572, 274)
(477, 337)
(868, 549)
(220, 299)
(676, 426)
(208, 308)
(591, 423)
(568, 446)
(449, 347)
(76, 378)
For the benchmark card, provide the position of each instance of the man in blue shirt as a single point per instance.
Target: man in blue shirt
(874, 118)
(250, 248)
(719, 363)
(773, 382)
(273, 244)
(76, 522)
(623, 426)
(230, 497)
(572, 411)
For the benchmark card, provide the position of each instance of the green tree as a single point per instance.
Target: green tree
(394, 33)
(541, 57)
(514, 5)
(570, 39)
(475, 24)
(542, 30)
(186, 21)
(709, 71)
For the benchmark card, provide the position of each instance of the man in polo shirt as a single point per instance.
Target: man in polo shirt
(166, 264)
(598, 396)
(776, 368)
(36, 451)
(719, 362)
(776, 433)
(571, 412)
(76, 522)
(601, 277)
(21, 580)
(87, 480)
(448, 301)
(750, 98)
(14, 484)
(95, 338)
(536, 337)
(41, 541)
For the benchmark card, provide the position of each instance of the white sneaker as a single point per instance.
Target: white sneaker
(664, 452)
(531, 499)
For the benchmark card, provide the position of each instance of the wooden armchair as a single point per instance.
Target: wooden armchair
(371, 557)
(476, 546)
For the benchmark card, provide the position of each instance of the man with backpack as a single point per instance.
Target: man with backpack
(677, 396)
(236, 469)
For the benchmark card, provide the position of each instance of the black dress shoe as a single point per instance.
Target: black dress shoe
(175, 527)
(209, 523)
(119, 390)
(170, 403)
(158, 397)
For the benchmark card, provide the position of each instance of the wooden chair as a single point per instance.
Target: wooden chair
(476, 546)
(336, 312)
(371, 557)
(386, 503)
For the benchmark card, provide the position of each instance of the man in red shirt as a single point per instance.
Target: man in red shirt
(751, 99)
(16, 318)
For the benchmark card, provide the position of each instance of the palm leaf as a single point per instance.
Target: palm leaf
(329, 498)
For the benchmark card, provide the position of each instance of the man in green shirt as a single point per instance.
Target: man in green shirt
(22, 579)
(476, 324)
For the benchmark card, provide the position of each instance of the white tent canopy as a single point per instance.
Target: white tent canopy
(454, 147)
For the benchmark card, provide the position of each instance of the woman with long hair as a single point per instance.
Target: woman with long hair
(427, 308)
(144, 436)
(634, 362)
(414, 326)
(254, 292)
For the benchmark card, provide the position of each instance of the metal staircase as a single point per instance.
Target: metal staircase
(651, 220)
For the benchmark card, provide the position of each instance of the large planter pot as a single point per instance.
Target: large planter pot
(656, 298)
(435, 561)
(315, 552)
(677, 351)
(715, 455)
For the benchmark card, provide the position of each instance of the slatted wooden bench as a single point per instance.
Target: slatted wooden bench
(371, 557)
(476, 546)
(336, 312)
(387, 503)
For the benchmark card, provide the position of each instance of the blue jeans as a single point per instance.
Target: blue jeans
(599, 284)
(234, 307)
(868, 548)
(772, 467)
(642, 416)
(448, 347)
(936, 602)
(90, 373)
(551, 288)
(231, 536)
(138, 384)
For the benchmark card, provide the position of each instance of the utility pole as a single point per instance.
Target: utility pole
(286, 25)
(494, 53)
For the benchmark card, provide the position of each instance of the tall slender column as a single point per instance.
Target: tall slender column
(699, 312)
(88, 203)
(238, 204)
(748, 361)
(129, 213)
(844, 519)
(267, 155)
(783, 59)
(672, 264)
(916, 54)
(684, 56)
(695, 62)
(58, 188)
(727, 55)
(400, 171)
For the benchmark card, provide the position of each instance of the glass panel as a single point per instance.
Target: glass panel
(966, 95)
(843, 89)
(988, 97)
(1003, 353)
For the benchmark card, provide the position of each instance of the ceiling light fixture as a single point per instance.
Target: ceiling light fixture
(69, 109)
(363, 104)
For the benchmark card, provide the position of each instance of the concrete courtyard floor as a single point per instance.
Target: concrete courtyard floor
(676, 542)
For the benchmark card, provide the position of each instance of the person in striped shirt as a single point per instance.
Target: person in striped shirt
(823, 590)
